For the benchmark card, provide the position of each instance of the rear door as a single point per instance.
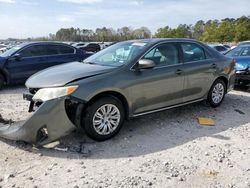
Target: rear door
(199, 71)
(59, 54)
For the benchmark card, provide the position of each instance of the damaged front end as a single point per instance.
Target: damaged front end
(242, 76)
(52, 119)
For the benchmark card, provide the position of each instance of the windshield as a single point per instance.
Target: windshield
(117, 54)
(234, 52)
(11, 51)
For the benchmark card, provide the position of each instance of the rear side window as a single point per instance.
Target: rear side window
(59, 49)
(52, 50)
(192, 52)
(65, 50)
(163, 55)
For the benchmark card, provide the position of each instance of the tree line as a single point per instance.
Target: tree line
(225, 30)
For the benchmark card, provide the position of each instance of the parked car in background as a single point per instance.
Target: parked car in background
(125, 80)
(244, 43)
(242, 56)
(3, 48)
(219, 47)
(91, 47)
(78, 44)
(20, 62)
(227, 46)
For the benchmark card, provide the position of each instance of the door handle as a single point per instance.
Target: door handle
(213, 66)
(178, 72)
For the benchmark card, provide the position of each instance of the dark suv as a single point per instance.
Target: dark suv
(91, 47)
(22, 61)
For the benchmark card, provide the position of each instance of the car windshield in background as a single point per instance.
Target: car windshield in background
(117, 55)
(239, 51)
(11, 51)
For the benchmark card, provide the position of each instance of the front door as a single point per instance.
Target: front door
(162, 85)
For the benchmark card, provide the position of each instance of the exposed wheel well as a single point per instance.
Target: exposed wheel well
(115, 94)
(75, 109)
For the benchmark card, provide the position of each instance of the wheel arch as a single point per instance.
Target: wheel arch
(116, 95)
(224, 79)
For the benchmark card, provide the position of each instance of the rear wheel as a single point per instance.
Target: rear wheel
(104, 118)
(217, 93)
(1, 81)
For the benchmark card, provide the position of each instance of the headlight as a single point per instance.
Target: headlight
(53, 93)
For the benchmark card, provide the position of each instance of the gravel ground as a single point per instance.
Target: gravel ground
(166, 149)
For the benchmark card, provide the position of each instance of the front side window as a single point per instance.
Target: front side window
(163, 55)
(37, 50)
(192, 52)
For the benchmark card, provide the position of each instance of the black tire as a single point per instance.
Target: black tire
(88, 118)
(1, 81)
(210, 98)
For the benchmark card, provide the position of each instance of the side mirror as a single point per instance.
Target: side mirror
(145, 64)
(16, 57)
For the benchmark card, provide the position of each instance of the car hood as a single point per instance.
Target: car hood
(63, 74)
(242, 63)
(2, 59)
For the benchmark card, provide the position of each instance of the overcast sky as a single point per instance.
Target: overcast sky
(33, 18)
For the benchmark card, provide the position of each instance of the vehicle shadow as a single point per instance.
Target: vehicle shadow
(156, 132)
(242, 88)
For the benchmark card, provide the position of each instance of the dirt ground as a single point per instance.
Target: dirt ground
(165, 149)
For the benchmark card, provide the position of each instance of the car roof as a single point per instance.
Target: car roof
(244, 45)
(153, 40)
(213, 45)
(42, 42)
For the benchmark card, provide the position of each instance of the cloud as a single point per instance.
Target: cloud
(66, 19)
(136, 2)
(155, 15)
(7, 1)
(80, 1)
(48, 17)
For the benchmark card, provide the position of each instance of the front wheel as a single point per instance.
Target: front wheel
(104, 118)
(217, 93)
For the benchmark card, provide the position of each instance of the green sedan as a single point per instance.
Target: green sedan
(123, 81)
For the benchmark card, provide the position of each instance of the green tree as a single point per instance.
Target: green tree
(242, 29)
(164, 32)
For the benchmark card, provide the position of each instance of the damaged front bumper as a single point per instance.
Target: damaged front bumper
(242, 76)
(48, 123)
